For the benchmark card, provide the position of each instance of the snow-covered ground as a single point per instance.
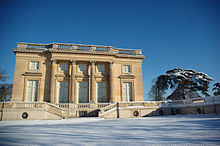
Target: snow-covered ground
(181, 130)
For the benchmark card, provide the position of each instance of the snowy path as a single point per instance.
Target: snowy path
(182, 130)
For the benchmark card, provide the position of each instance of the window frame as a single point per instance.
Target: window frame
(59, 86)
(30, 65)
(67, 67)
(104, 71)
(105, 90)
(83, 89)
(131, 90)
(130, 69)
(78, 68)
(27, 90)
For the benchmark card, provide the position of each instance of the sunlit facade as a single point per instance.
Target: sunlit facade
(71, 73)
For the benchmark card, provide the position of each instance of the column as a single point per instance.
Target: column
(93, 84)
(52, 83)
(111, 82)
(74, 98)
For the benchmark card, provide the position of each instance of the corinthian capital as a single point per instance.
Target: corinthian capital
(53, 61)
(92, 61)
(73, 61)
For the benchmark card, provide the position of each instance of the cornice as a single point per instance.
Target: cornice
(32, 74)
(91, 53)
(126, 77)
(28, 51)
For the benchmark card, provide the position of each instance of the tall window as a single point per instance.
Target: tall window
(34, 65)
(126, 69)
(63, 67)
(62, 91)
(101, 68)
(127, 91)
(82, 92)
(82, 67)
(101, 92)
(32, 90)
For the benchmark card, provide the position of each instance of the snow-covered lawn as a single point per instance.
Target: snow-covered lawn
(182, 130)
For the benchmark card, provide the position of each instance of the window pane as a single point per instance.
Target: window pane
(82, 68)
(126, 69)
(63, 67)
(127, 91)
(34, 65)
(101, 92)
(62, 91)
(101, 68)
(82, 92)
(32, 90)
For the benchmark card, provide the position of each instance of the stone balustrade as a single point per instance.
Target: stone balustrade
(76, 47)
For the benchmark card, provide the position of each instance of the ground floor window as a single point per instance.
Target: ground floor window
(32, 90)
(127, 91)
(101, 92)
(62, 91)
(82, 91)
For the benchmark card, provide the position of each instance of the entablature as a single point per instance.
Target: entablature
(78, 49)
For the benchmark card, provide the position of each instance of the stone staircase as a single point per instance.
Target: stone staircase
(32, 108)
(56, 110)
(129, 109)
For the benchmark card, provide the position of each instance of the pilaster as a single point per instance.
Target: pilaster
(93, 84)
(111, 81)
(52, 84)
(74, 98)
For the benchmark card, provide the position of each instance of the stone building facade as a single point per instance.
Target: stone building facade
(70, 73)
(57, 81)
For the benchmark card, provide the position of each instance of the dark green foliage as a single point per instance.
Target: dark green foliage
(181, 81)
(216, 89)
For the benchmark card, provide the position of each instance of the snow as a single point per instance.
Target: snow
(171, 130)
(113, 109)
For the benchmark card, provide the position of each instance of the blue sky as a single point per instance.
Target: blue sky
(172, 33)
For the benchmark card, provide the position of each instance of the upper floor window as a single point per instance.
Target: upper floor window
(34, 65)
(126, 69)
(63, 67)
(101, 68)
(82, 67)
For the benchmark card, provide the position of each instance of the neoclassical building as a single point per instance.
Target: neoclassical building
(73, 73)
(56, 81)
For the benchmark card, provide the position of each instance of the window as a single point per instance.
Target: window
(101, 68)
(63, 67)
(126, 69)
(127, 91)
(32, 89)
(82, 68)
(82, 92)
(34, 65)
(62, 91)
(101, 92)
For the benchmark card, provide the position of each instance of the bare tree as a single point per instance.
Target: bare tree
(3, 76)
(5, 89)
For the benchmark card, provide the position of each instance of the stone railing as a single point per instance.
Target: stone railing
(35, 105)
(82, 105)
(108, 108)
(63, 105)
(199, 100)
(145, 104)
(102, 105)
(77, 47)
(55, 110)
(19, 105)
